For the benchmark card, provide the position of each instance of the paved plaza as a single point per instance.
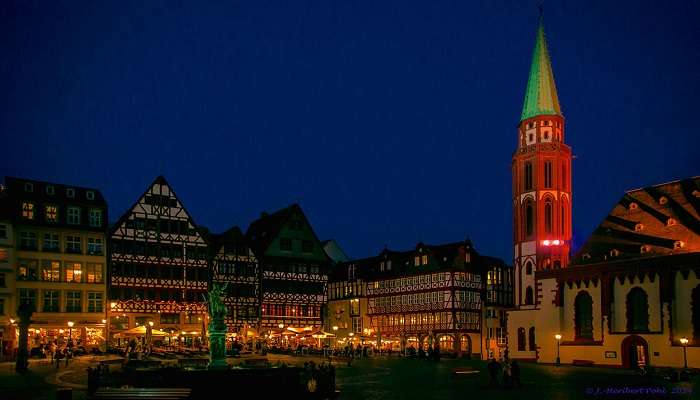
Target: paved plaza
(400, 378)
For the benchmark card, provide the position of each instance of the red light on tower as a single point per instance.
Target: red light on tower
(556, 242)
(546, 242)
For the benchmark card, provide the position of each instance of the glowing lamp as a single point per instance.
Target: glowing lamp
(113, 304)
(12, 320)
(104, 321)
(351, 334)
(70, 324)
(557, 336)
(150, 323)
(556, 242)
(684, 341)
(335, 327)
(546, 243)
(280, 326)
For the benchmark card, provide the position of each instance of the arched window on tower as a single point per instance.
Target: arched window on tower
(563, 221)
(583, 315)
(563, 176)
(695, 316)
(528, 176)
(529, 220)
(548, 215)
(637, 310)
(528, 268)
(529, 297)
(521, 339)
(547, 174)
(532, 346)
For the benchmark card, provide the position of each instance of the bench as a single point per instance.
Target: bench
(586, 363)
(141, 393)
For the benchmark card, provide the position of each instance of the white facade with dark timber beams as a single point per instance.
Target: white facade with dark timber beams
(159, 268)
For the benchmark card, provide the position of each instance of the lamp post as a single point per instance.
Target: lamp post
(558, 337)
(684, 342)
(106, 327)
(70, 332)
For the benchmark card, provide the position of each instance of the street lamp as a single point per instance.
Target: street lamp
(280, 326)
(684, 342)
(558, 337)
(70, 332)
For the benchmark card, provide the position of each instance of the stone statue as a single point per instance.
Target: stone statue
(217, 326)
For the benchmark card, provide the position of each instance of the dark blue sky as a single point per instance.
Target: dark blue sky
(390, 122)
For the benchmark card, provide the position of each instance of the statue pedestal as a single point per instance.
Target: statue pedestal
(217, 346)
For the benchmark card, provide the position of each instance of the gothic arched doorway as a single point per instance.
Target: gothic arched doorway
(465, 345)
(635, 352)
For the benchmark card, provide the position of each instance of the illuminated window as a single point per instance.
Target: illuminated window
(74, 215)
(50, 271)
(671, 222)
(50, 303)
(96, 218)
(424, 259)
(678, 244)
(638, 227)
(3, 255)
(663, 200)
(73, 244)
(73, 302)
(27, 210)
(73, 272)
(388, 265)
(416, 260)
(645, 249)
(633, 206)
(51, 213)
(93, 273)
(94, 302)
(27, 270)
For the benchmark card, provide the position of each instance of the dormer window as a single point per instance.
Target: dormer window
(633, 206)
(28, 187)
(677, 245)
(645, 249)
(614, 253)
(425, 259)
(416, 260)
(638, 227)
(381, 266)
(586, 256)
(671, 222)
(388, 265)
(27, 210)
(90, 195)
(50, 190)
(467, 257)
(663, 200)
(70, 193)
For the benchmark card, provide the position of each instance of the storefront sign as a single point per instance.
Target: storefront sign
(610, 354)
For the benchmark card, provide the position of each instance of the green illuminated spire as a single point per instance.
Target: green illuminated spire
(541, 94)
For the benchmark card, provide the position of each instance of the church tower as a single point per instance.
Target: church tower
(541, 181)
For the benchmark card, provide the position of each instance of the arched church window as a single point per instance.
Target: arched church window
(528, 268)
(529, 220)
(583, 315)
(521, 339)
(548, 174)
(695, 313)
(532, 346)
(548, 215)
(529, 297)
(637, 310)
(563, 221)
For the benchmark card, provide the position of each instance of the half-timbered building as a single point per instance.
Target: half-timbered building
(431, 296)
(159, 266)
(233, 264)
(294, 269)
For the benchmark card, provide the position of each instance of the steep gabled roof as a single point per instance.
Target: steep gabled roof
(649, 222)
(265, 229)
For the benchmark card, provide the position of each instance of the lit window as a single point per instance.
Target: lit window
(639, 227)
(28, 210)
(633, 206)
(663, 200)
(388, 265)
(416, 260)
(671, 222)
(425, 259)
(644, 249)
(73, 272)
(74, 215)
(96, 218)
(51, 213)
(678, 244)
(50, 271)
(614, 253)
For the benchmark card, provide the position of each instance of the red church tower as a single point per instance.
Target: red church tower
(541, 181)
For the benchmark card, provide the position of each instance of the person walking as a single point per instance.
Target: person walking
(506, 373)
(515, 374)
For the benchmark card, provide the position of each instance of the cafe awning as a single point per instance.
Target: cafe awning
(140, 331)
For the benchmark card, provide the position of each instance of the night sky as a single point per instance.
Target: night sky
(391, 122)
